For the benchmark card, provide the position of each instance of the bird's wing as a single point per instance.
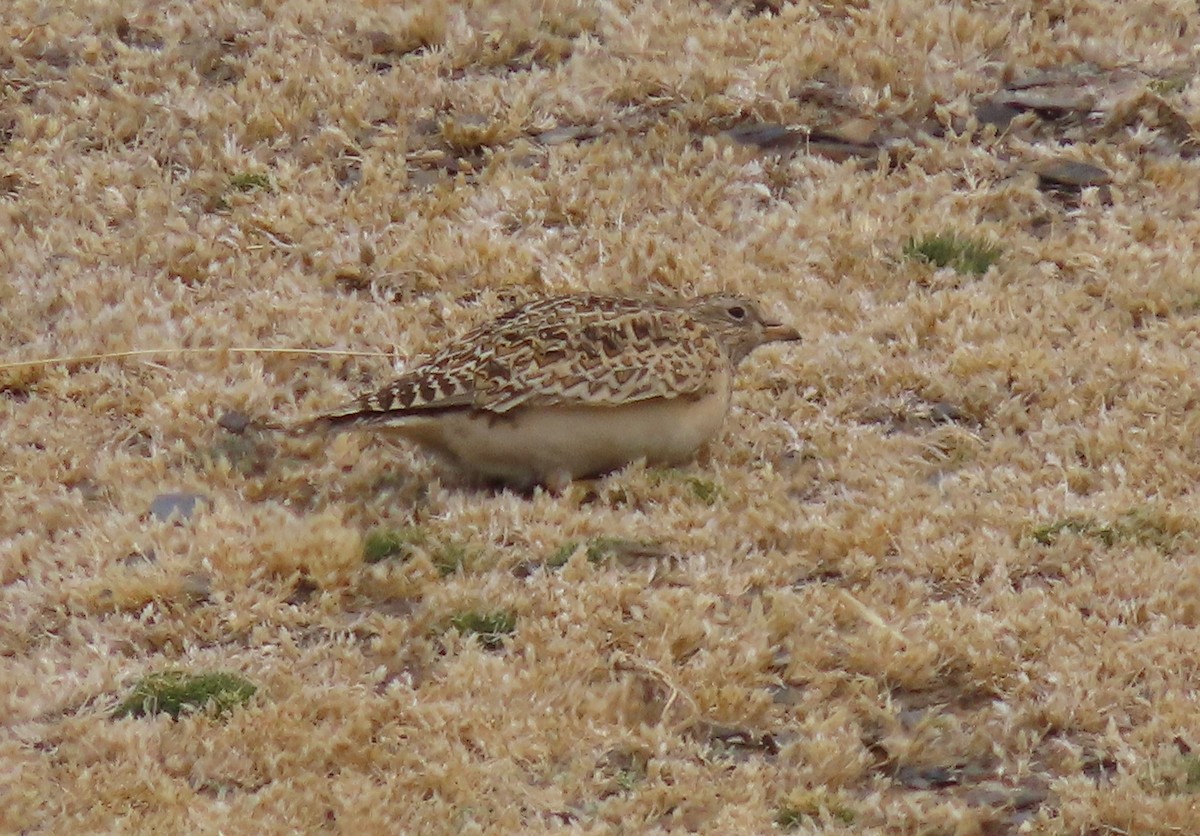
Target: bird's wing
(596, 356)
(583, 351)
(442, 382)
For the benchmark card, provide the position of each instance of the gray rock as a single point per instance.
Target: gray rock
(184, 505)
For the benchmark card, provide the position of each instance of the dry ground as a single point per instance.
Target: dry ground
(941, 573)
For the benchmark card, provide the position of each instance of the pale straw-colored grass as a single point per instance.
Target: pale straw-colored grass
(940, 571)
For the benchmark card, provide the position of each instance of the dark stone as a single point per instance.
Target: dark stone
(184, 505)
(568, 133)
(1066, 179)
(302, 593)
(1071, 174)
(765, 135)
(234, 421)
(927, 777)
(995, 113)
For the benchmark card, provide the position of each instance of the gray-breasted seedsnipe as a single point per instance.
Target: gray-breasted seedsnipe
(572, 386)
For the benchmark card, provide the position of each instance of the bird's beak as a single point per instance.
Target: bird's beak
(778, 332)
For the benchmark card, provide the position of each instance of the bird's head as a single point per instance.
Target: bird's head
(739, 324)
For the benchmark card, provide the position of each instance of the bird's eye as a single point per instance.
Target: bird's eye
(737, 312)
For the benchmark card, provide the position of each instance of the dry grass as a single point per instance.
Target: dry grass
(940, 574)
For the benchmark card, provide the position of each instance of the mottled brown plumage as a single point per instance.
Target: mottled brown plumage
(587, 358)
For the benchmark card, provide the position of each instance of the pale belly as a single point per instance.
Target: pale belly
(551, 445)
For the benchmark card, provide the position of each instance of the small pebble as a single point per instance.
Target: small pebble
(184, 505)
(234, 421)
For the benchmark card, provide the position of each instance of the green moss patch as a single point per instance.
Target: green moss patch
(489, 627)
(179, 692)
(384, 544)
(965, 255)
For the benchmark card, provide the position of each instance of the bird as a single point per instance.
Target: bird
(571, 387)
